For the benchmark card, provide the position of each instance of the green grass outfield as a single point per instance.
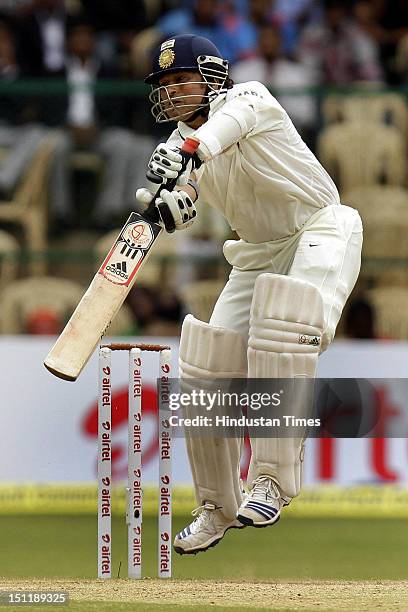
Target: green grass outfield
(294, 549)
(299, 564)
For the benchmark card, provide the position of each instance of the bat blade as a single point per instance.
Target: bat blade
(103, 298)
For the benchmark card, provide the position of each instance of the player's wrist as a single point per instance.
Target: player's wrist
(189, 190)
(193, 188)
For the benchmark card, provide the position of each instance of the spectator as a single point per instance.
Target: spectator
(272, 68)
(387, 23)
(289, 16)
(168, 315)
(18, 135)
(117, 22)
(156, 312)
(360, 320)
(13, 7)
(401, 60)
(300, 12)
(94, 123)
(116, 15)
(286, 15)
(366, 15)
(340, 49)
(142, 301)
(261, 12)
(232, 34)
(42, 39)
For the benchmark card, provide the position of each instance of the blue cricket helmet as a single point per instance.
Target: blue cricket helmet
(182, 53)
(186, 52)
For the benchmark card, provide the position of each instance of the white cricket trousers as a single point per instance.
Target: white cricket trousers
(325, 252)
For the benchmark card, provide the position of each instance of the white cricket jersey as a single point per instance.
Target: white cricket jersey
(267, 183)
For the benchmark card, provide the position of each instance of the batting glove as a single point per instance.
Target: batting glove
(169, 162)
(176, 210)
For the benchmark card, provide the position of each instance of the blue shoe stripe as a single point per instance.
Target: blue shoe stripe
(262, 505)
(183, 534)
(260, 512)
(267, 509)
(267, 513)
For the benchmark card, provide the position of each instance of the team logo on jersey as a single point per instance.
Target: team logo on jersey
(166, 58)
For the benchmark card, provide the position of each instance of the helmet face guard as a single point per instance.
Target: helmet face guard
(186, 53)
(214, 73)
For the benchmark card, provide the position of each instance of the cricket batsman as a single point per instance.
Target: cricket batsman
(294, 266)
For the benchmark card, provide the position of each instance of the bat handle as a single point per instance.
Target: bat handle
(190, 145)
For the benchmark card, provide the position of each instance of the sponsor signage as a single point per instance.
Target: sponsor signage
(60, 418)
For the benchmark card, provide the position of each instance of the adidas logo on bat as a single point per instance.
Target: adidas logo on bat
(120, 269)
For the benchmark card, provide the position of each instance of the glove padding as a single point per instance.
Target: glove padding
(176, 208)
(170, 162)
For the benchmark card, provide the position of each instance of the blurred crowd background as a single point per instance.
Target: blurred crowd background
(76, 134)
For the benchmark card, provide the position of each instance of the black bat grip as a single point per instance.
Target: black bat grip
(151, 213)
(189, 147)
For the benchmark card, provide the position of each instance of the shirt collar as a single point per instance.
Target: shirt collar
(217, 102)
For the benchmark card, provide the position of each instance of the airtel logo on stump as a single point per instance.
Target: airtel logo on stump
(150, 443)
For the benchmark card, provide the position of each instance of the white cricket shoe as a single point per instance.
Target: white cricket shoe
(263, 504)
(205, 531)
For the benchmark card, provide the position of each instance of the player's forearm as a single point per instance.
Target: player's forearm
(226, 127)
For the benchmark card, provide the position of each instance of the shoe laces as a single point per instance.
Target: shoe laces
(203, 514)
(264, 488)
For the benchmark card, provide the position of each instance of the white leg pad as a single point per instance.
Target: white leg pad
(286, 327)
(209, 352)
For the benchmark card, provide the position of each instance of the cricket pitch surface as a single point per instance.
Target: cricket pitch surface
(150, 594)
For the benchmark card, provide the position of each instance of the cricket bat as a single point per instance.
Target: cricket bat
(109, 287)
